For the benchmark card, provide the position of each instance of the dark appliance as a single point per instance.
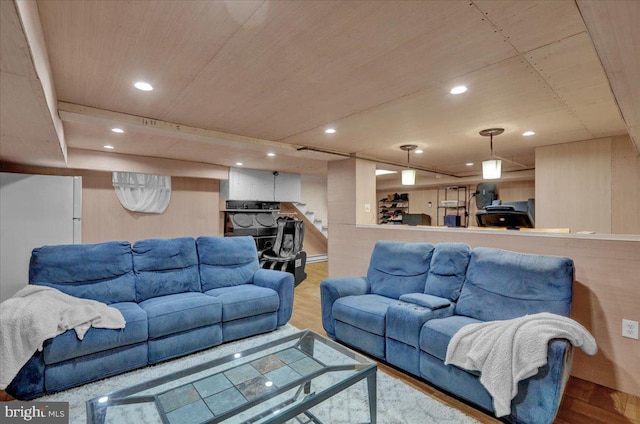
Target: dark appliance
(485, 193)
(512, 215)
(252, 218)
(416, 219)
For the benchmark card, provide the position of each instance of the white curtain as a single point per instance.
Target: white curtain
(142, 192)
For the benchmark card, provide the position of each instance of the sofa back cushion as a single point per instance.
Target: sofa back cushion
(398, 268)
(165, 266)
(226, 261)
(503, 285)
(448, 270)
(102, 272)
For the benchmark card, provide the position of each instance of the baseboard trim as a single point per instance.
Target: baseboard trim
(317, 258)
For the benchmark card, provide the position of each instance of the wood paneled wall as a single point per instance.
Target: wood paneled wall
(419, 199)
(573, 186)
(605, 290)
(625, 187)
(591, 185)
(193, 211)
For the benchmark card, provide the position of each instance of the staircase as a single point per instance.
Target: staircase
(310, 215)
(315, 234)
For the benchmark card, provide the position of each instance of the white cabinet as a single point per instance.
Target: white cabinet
(268, 186)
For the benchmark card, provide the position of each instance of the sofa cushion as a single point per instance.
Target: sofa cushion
(67, 346)
(503, 285)
(226, 261)
(102, 272)
(436, 334)
(366, 312)
(165, 266)
(398, 268)
(245, 301)
(448, 270)
(179, 312)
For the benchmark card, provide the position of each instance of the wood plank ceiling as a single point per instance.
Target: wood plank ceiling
(277, 73)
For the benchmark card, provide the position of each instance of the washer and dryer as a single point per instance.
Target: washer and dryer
(251, 218)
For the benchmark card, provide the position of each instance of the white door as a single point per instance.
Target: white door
(35, 210)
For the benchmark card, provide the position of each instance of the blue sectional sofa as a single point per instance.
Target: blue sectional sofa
(177, 296)
(416, 296)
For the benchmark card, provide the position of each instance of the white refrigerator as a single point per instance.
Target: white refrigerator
(35, 210)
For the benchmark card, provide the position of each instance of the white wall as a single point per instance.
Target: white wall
(314, 195)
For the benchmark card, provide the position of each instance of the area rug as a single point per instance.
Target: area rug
(397, 403)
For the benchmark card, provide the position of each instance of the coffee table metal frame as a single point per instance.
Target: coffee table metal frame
(364, 367)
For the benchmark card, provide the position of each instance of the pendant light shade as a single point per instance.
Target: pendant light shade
(408, 175)
(492, 168)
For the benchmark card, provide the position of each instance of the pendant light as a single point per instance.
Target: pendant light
(492, 168)
(408, 175)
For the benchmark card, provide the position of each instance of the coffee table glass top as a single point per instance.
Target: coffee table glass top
(273, 382)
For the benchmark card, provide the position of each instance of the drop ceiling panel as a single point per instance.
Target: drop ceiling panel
(572, 69)
(531, 24)
(443, 124)
(98, 49)
(311, 63)
(379, 71)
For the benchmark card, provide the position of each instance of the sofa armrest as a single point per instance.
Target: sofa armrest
(333, 289)
(539, 396)
(282, 283)
(426, 300)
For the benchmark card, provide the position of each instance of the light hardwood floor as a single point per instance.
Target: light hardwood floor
(583, 402)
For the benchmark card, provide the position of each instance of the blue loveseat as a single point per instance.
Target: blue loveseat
(416, 296)
(177, 296)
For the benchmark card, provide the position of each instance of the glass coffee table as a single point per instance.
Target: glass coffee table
(276, 382)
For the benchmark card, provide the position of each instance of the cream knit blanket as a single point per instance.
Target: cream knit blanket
(37, 313)
(506, 352)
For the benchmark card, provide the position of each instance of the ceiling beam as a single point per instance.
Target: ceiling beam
(103, 161)
(30, 19)
(614, 29)
(71, 112)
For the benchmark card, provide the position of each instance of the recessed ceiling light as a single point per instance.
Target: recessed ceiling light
(469, 164)
(330, 131)
(108, 146)
(270, 154)
(144, 86)
(117, 130)
(417, 152)
(239, 163)
(385, 172)
(458, 89)
(528, 133)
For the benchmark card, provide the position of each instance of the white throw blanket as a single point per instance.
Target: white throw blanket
(506, 352)
(37, 313)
